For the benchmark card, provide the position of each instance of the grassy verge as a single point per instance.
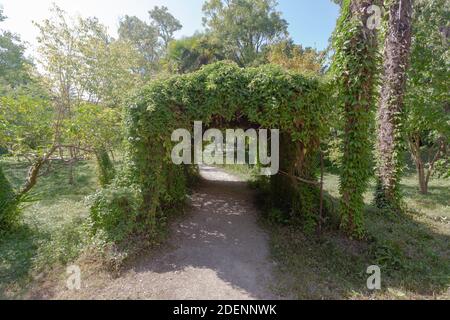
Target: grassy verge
(412, 250)
(53, 229)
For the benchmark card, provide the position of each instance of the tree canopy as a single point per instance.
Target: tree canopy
(427, 125)
(166, 23)
(15, 68)
(244, 27)
(69, 97)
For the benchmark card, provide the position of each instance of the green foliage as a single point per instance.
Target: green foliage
(244, 27)
(115, 211)
(17, 72)
(388, 254)
(297, 200)
(105, 168)
(428, 79)
(83, 63)
(94, 126)
(9, 210)
(355, 69)
(268, 96)
(410, 248)
(14, 66)
(54, 229)
(427, 119)
(191, 53)
(290, 56)
(143, 38)
(25, 124)
(277, 216)
(167, 24)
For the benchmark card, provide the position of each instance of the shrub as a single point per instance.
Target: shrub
(9, 211)
(389, 254)
(115, 210)
(277, 216)
(218, 94)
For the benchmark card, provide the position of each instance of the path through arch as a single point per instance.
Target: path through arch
(217, 251)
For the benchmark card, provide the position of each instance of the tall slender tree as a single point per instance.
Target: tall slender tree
(355, 70)
(244, 27)
(166, 23)
(14, 66)
(143, 37)
(390, 114)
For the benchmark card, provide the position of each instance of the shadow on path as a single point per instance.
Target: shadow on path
(217, 252)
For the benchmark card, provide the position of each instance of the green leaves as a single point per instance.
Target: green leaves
(244, 27)
(221, 93)
(83, 63)
(427, 120)
(428, 76)
(14, 66)
(9, 211)
(166, 23)
(354, 72)
(94, 126)
(115, 211)
(25, 124)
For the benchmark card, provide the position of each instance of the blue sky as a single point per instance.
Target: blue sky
(311, 22)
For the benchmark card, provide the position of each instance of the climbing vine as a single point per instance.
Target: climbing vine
(105, 168)
(220, 95)
(355, 68)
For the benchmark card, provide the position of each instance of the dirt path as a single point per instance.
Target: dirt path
(217, 252)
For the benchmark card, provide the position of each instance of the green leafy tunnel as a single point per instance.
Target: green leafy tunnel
(220, 95)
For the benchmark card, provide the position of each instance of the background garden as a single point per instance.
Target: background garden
(67, 184)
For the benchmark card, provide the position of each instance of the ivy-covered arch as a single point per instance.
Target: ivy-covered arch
(224, 94)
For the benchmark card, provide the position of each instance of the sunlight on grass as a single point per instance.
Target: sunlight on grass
(410, 248)
(434, 204)
(53, 227)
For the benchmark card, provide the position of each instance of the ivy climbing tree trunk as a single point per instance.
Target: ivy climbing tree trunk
(390, 114)
(355, 70)
(105, 167)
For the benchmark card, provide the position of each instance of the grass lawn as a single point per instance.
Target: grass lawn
(53, 230)
(412, 251)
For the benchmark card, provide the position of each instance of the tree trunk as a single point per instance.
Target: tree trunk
(33, 173)
(396, 59)
(355, 69)
(71, 175)
(423, 173)
(105, 167)
(414, 143)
